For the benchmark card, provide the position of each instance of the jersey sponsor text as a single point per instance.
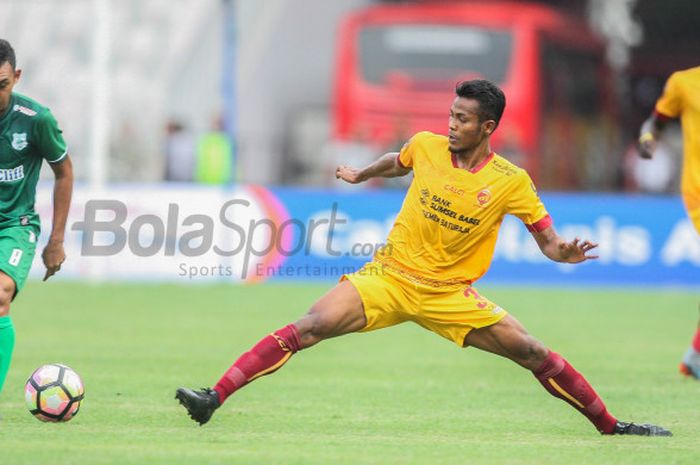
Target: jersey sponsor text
(12, 174)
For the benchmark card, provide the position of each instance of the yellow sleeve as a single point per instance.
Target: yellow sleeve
(408, 151)
(405, 158)
(670, 104)
(526, 204)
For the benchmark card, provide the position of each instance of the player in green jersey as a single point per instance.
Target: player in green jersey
(29, 134)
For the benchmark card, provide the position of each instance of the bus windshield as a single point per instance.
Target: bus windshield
(425, 52)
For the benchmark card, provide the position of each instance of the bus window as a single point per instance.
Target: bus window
(450, 53)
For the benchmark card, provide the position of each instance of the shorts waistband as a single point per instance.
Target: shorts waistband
(416, 278)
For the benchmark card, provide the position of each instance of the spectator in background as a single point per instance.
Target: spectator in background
(179, 153)
(215, 157)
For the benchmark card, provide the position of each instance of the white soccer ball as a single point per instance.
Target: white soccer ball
(54, 393)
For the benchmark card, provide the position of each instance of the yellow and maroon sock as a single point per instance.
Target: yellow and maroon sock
(561, 380)
(696, 341)
(264, 358)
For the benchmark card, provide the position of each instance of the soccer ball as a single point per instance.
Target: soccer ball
(54, 393)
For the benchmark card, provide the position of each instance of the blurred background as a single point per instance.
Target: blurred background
(278, 92)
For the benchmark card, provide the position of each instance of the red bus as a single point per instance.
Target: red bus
(397, 65)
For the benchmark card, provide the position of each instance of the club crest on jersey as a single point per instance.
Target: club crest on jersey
(19, 140)
(483, 197)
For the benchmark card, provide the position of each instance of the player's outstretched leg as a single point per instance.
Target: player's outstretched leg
(338, 312)
(690, 366)
(509, 338)
(561, 380)
(268, 355)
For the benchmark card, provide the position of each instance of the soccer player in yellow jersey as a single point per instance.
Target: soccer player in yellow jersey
(681, 99)
(442, 241)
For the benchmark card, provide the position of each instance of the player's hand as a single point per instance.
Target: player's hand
(576, 252)
(53, 256)
(351, 175)
(646, 148)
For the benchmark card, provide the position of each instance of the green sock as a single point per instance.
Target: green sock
(7, 343)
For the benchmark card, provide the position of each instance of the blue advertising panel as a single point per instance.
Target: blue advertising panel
(187, 233)
(643, 240)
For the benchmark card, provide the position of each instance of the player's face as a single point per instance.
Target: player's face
(8, 78)
(465, 129)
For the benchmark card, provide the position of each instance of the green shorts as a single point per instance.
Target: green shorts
(17, 247)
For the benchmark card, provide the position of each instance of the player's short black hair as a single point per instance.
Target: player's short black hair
(7, 54)
(492, 100)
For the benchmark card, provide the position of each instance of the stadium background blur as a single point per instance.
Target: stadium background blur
(209, 97)
(193, 103)
(176, 64)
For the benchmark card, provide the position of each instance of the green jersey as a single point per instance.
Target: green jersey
(28, 134)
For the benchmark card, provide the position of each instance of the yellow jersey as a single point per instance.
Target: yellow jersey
(681, 98)
(446, 230)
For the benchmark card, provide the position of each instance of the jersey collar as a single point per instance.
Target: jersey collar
(477, 168)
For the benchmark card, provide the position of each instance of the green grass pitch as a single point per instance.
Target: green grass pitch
(397, 396)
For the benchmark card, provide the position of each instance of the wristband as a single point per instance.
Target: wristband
(646, 137)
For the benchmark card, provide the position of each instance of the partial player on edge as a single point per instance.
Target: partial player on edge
(29, 134)
(681, 99)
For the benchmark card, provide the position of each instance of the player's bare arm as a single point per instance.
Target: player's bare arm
(54, 254)
(648, 135)
(385, 167)
(556, 248)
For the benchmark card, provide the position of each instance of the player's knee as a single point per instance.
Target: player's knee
(531, 353)
(321, 326)
(537, 353)
(6, 293)
(314, 327)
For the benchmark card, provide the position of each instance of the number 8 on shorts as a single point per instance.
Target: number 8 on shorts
(15, 257)
(17, 247)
